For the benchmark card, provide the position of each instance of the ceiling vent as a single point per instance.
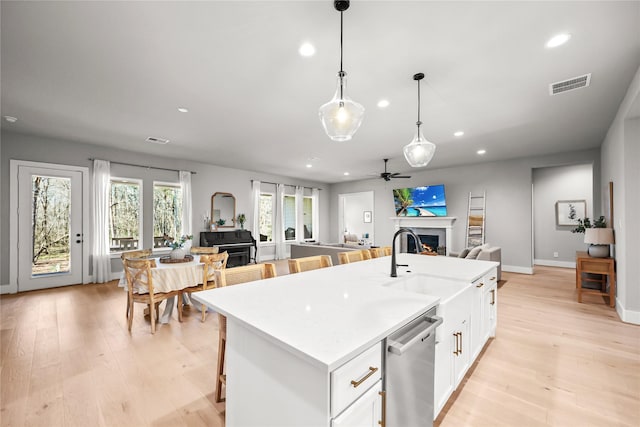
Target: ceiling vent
(155, 140)
(570, 84)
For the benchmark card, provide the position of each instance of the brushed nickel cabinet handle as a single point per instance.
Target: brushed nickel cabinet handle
(372, 371)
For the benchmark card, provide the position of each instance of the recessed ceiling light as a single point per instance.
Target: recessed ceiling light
(346, 174)
(383, 103)
(481, 152)
(183, 110)
(11, 119)
(307, 49)
(558, 40)
(458, 133)
(309, 165)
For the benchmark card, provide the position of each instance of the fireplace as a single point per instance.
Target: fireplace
(426, 226)
(430, 240)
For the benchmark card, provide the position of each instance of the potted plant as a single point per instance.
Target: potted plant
(241, 220)
(585, 223)
(177, 246)
(220, 222)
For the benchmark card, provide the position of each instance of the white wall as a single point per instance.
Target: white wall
(620, 155)
(550, 185)
(509, 201)
(207, 180)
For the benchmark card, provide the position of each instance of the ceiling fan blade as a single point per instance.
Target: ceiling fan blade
(402, 176)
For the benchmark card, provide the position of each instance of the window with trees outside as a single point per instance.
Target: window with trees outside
(167, 213)
(289, 212)
(125, 207)
(307, 213)
(266, 217)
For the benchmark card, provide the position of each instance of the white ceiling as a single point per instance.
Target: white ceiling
(114, 73)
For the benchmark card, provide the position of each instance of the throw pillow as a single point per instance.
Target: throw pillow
(464, 253)
(473, 253)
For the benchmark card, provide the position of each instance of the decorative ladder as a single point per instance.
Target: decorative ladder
(476, 219)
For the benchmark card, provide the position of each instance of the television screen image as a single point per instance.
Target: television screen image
(420, 201)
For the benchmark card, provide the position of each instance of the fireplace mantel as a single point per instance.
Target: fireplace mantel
(414, 222)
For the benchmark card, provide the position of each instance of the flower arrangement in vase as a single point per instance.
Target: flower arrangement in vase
(177, 246)
(241, 220)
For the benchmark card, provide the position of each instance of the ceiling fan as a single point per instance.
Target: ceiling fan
(388, 175)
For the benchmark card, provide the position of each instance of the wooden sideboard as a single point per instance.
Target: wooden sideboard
(603, 268)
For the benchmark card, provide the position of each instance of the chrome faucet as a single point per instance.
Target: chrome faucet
(393, 248)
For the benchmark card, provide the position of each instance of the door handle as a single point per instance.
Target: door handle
(383, 421)
(460, 336)
(458, 350)
(493, 296)
(355, 383)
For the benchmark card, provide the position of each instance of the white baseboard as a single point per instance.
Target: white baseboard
(7, 289)
(517, 269)
(552, 263)
(627, 316)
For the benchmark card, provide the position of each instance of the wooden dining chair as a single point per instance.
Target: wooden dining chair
(387, 250)
(228, 277)
(366, 254)
(211, 263)
(350, 256)
(140, 289)
(208, 250)
(299, 265)
(376, 252)
(138, 254)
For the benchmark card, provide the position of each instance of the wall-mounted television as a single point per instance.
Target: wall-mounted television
(420, 201)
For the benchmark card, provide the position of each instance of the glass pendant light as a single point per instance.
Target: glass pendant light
(419, 151)
(341, 117)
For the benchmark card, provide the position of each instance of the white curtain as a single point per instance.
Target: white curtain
(300, 214)
(100, 231)
(187, 213)
(315, 216)
(278, 233)
(255, 196)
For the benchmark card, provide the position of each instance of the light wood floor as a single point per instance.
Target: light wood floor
(67, 359)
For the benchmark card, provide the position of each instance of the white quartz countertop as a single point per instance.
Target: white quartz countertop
(328, 316)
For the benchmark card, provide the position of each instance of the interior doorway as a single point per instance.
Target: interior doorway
(356, 216)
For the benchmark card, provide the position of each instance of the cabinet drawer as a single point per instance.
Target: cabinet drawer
(355, 377)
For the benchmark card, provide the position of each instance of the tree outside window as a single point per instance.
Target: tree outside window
(167, 213)
(266, 217)
(124, 215)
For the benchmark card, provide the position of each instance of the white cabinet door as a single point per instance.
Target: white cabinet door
(462, 355)
(443, 378)
(364, 412)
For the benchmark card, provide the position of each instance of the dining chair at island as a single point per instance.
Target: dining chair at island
(351, 256)
(206, 250)
(299, 265)
(387, 250)
(376, 252)
(140, 290)
(228, 277)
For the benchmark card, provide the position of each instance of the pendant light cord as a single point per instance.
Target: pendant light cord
(341, 71)
(418, 122)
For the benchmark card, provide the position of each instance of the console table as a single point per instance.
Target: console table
(602, 266)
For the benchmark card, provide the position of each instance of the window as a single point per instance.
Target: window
(289, 212)
(266, 217)
(125, 207)
(167, 213)
(307, 214)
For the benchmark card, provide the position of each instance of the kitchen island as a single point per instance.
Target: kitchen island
(290, 338)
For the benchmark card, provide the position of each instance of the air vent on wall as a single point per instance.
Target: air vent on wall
(157, 140)
(570, 84)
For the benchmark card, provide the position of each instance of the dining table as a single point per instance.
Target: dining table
(173, 276)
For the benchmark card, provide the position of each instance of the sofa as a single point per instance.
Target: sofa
(484, 253)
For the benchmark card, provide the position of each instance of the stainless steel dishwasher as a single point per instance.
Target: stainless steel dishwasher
(409, 372)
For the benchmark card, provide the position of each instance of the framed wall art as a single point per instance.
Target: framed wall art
(367, 216)
(569, 211)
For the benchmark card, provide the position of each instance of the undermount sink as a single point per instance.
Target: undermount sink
(422, 284)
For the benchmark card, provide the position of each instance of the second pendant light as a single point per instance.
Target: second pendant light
(419, 151)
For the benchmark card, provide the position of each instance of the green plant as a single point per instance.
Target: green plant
(220, 222)
(241, 219)
(585, 223)
(178, 244)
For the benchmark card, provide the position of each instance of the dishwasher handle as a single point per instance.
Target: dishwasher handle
(419, 336)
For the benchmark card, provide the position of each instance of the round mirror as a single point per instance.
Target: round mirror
(223, 210)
